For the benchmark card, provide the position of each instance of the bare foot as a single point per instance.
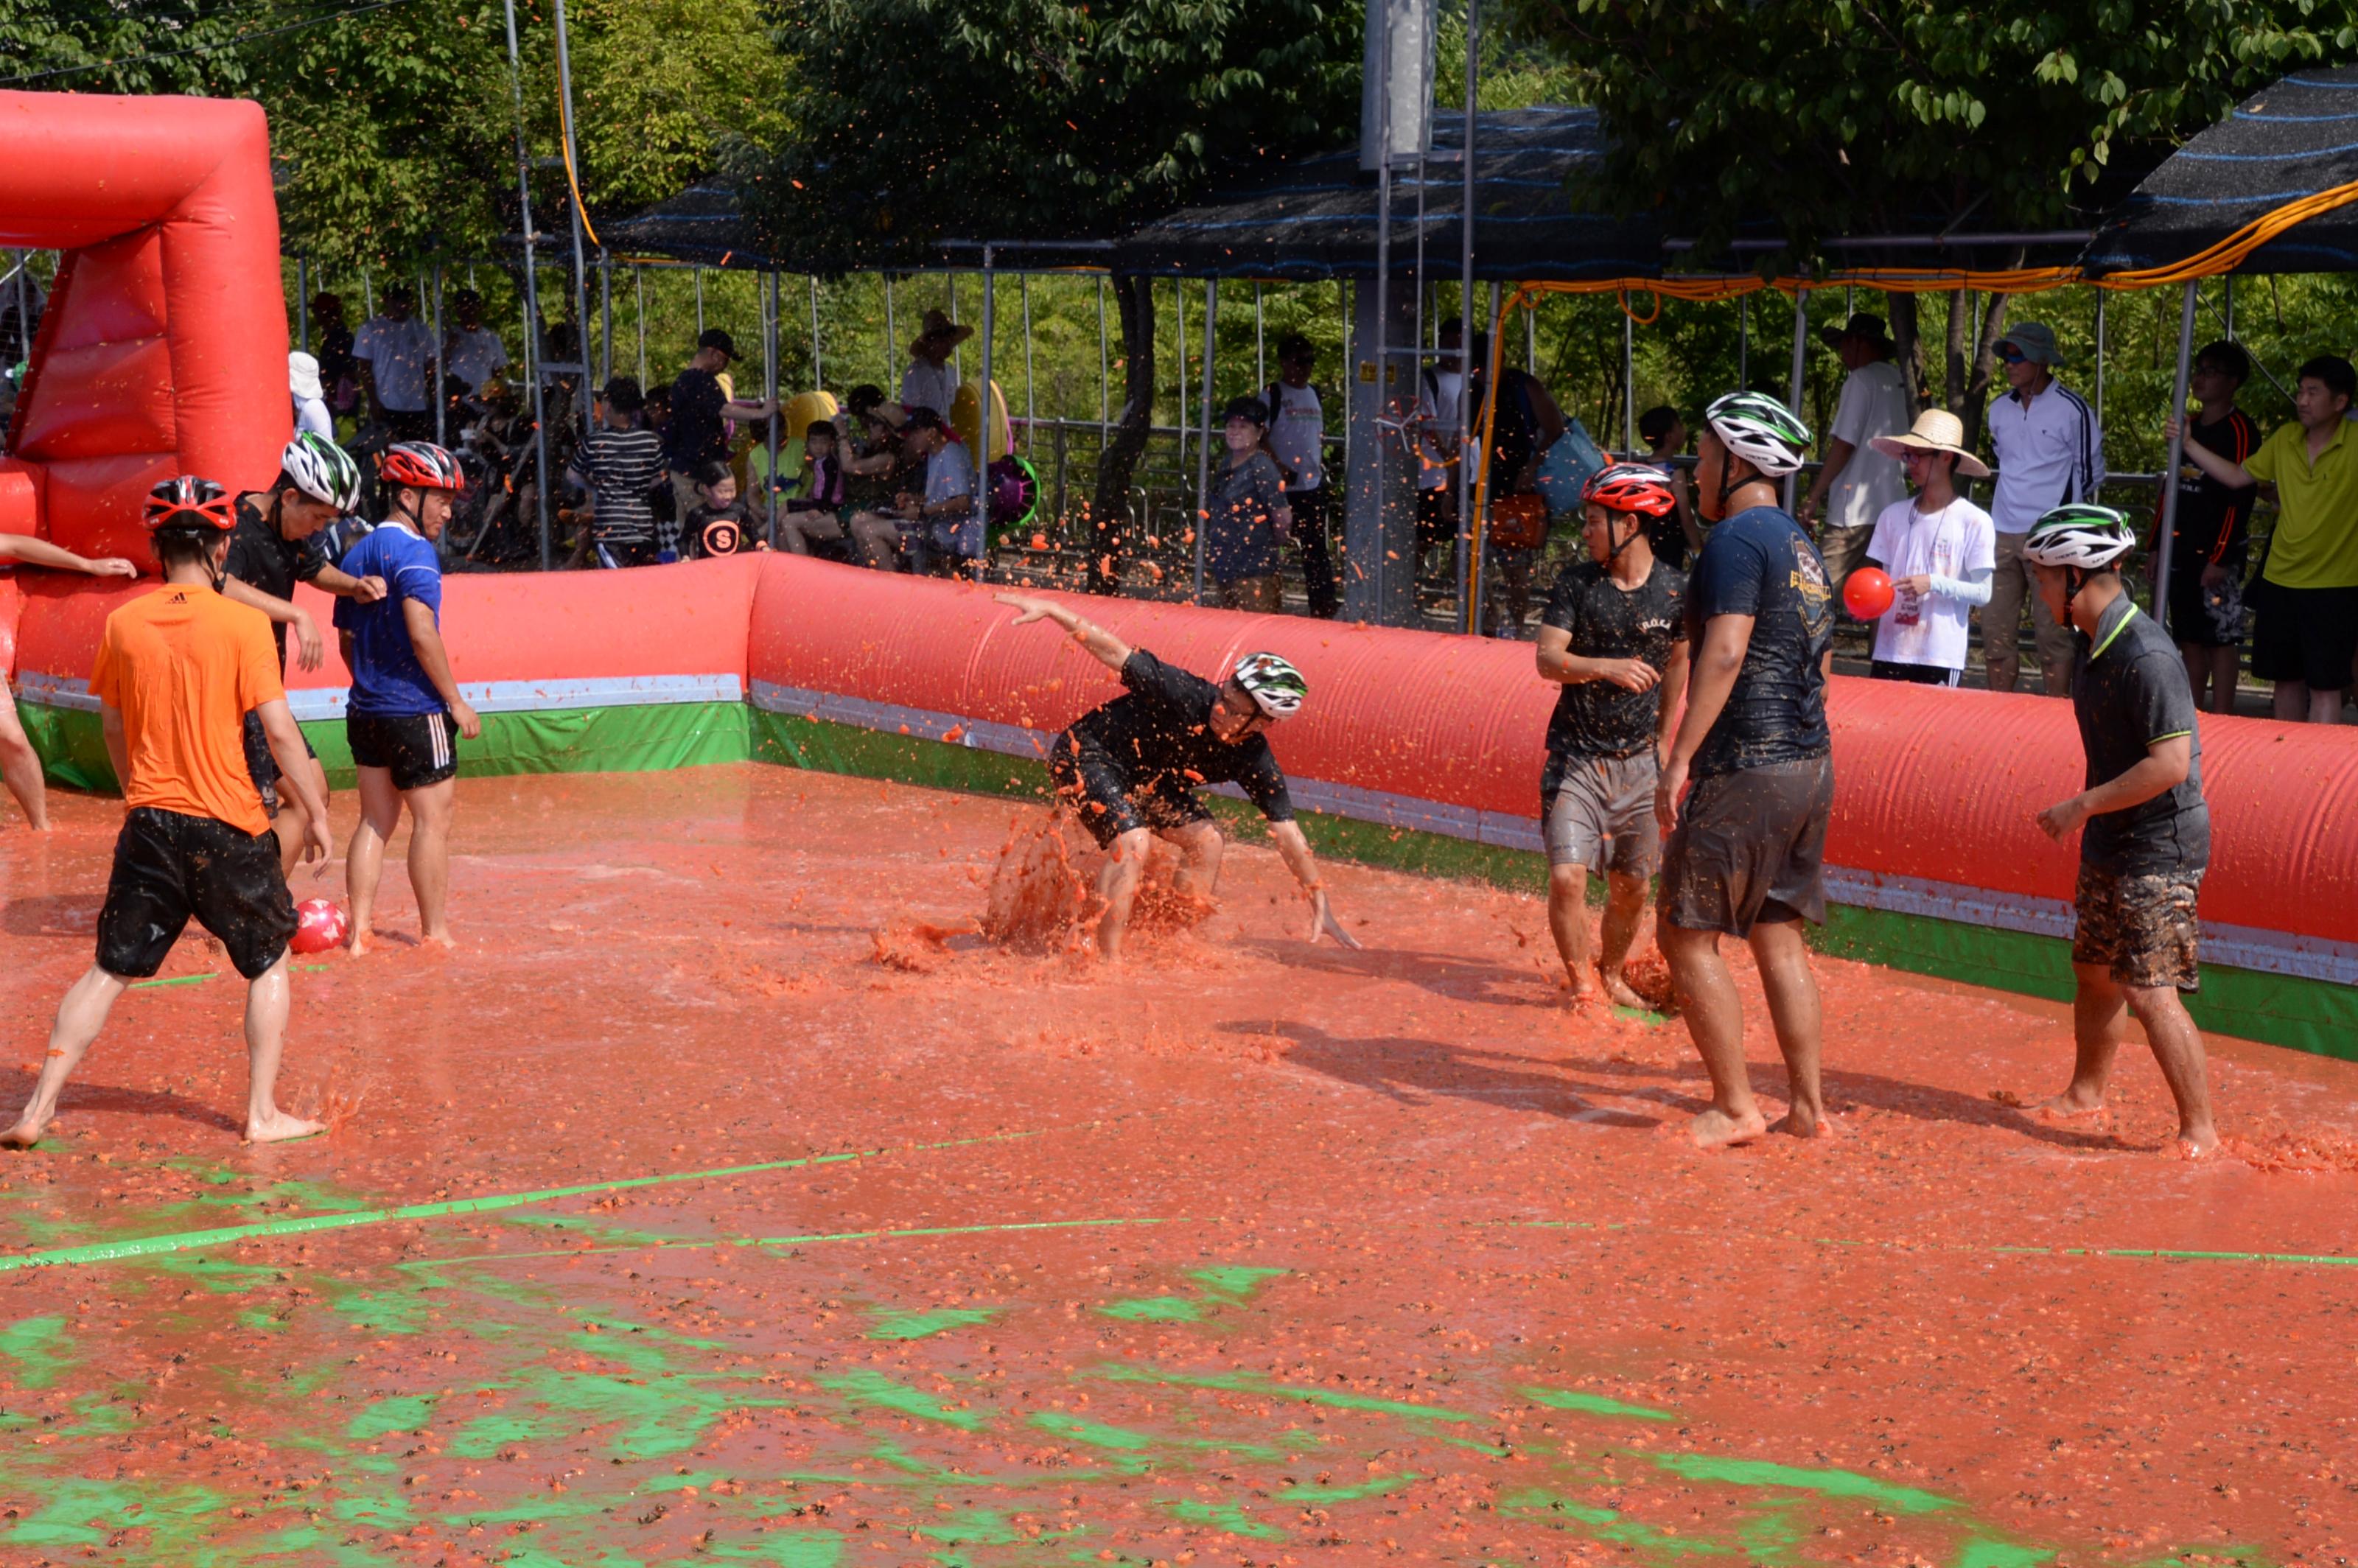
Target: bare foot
(2198, 1142)
(1803, 1124)
(1617, 992)
(1714, 1128)
(277, 1127)
(441, 939)
(2069, 1106)
(27, 1132)
(359, 942)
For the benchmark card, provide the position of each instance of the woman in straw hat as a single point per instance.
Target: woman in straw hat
(1941, 551)
(929, 382)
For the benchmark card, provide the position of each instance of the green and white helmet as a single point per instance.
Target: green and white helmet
(1761, 430)
(1273, 683)
(2080, 534)
(322, 471)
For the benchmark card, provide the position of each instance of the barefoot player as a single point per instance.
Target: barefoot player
(405, 703)
(1743, 856)
(2147, 834)
(20, 765)
(1614, 634)
(1129, 769)
(177, 671)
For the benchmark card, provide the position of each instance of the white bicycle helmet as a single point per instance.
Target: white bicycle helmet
(1761, 430)
(322, 471)
(2080, 534)
(1272, 683)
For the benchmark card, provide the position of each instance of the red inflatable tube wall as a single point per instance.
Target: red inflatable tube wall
(1931, 784)
(164, 348)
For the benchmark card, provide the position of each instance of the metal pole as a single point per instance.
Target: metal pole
(958, 355)
(441, 369)
(1629, 378)
(302, 303)
(2100, 358)
(1030, 404)
(1260, 348)
(770, 392)
(1481, 546)
(1531, 332)
(1105, 372)
(699, 301)
(368, 295)
(818, 377)
(1375, 567)
(1179, 308)
(1744, 342)
(605, 316)
(1801, 360)
(639, 290)
(573, 213)
(2228, 316)
(1204, 447)
(2176, 456)
(982, 453)
(1466, 461)
(890, 347)
(531, 301)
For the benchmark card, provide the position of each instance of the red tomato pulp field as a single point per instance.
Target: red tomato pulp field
(663, 1223)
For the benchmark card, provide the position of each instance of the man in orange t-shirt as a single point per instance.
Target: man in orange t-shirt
(178, 670)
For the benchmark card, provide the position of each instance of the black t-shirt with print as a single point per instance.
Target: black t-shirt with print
(260, 557)
(1760, 563)
(2129, 691)
(1598, 717)
(1160, 732)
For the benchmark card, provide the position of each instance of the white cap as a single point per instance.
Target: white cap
(303, 375)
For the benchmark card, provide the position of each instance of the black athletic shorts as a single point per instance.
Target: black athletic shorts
(420, 749)
(2307, 634)
(169, 867)
(1109, 804)
(263, 765)
(1914, 675)
(1750, 846)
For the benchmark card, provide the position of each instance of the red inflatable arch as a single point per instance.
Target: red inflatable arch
(163, 349)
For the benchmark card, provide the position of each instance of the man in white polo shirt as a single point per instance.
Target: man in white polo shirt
(2050, 453)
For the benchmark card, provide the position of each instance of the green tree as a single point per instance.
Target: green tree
(922, 120)
(1881, 116)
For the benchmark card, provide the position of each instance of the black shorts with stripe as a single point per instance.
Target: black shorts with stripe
(418, 749)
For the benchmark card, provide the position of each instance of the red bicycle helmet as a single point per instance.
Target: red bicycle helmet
(420, 465)
(189, 502)
(1630, 487)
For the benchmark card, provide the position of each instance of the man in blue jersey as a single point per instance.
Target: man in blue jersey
(1745, 845)
(405, 702)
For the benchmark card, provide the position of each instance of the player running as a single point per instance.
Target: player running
(405, 701)
(2148, 831)
(1747, 845)
(178, 670)
(1129, 769)
(1614, 634)
(273, 549)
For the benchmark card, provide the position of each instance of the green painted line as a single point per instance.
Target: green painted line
(1591, 1405)
(873, 1390)
(2143, 1254)
(924, 1324)
(175, 980)
(669, 1244)
(1318, 1495)
(149, 1246)
(1825, 1483)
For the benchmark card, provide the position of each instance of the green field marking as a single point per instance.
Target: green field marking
(1156, 1309)
(1229, 1517)
(864, 1389)
(2001, 1554)
(1216, 1288)
(1591, 1405)
(1248, 1383)
(172, 980)
(1848, 1483)
(1320, 1496)
(38, 1346)
(894, 1325)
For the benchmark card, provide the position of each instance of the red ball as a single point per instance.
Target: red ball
(1868, 593)
(320, 925)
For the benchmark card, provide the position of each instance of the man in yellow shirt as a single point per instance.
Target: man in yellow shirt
(178, 670)
(2306, 637)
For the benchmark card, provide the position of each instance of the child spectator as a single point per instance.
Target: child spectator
(719, 524)
(2206, 559)
(621, 461)
(1941, 550)
(1675, 536)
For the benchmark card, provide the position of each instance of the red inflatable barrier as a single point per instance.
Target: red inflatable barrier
(164, 348)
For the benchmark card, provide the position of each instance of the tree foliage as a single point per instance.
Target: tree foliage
(1024, 118)
(1865, 117)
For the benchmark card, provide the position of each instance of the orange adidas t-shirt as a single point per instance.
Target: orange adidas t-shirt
(184, 667)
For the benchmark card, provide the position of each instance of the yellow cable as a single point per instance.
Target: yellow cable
(564, 146)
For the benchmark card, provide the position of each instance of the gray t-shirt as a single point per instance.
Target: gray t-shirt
(2128, 692)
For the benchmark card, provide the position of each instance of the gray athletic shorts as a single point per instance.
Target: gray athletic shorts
(1750, 846)
(1586, 801)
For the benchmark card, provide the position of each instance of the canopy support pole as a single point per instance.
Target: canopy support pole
(1204, 446)
(982, 421)
(957, 352)
(580, 290)
(1261, 348)
(368, 295)
(2228, 315)
(698, 273)
(892, 386)
(302, 302)
(639, 290)
(1465, 317)
(2177, 457)
(1801, 362)
(1031, 403)
(1105, 372)
(441, 371)
(1629, 379)
(605, 316)
(531, 300)
(770, 392)
(818, 378)
(2100, 358)
(1179, 312)
(1743, 342)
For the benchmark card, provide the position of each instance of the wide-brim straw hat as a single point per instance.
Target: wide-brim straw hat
(940, 331)
(1935, 430)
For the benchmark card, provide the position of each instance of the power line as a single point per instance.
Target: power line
(243, 38)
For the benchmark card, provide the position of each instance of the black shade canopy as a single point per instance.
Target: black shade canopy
(705, 224)
(2294, 139)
